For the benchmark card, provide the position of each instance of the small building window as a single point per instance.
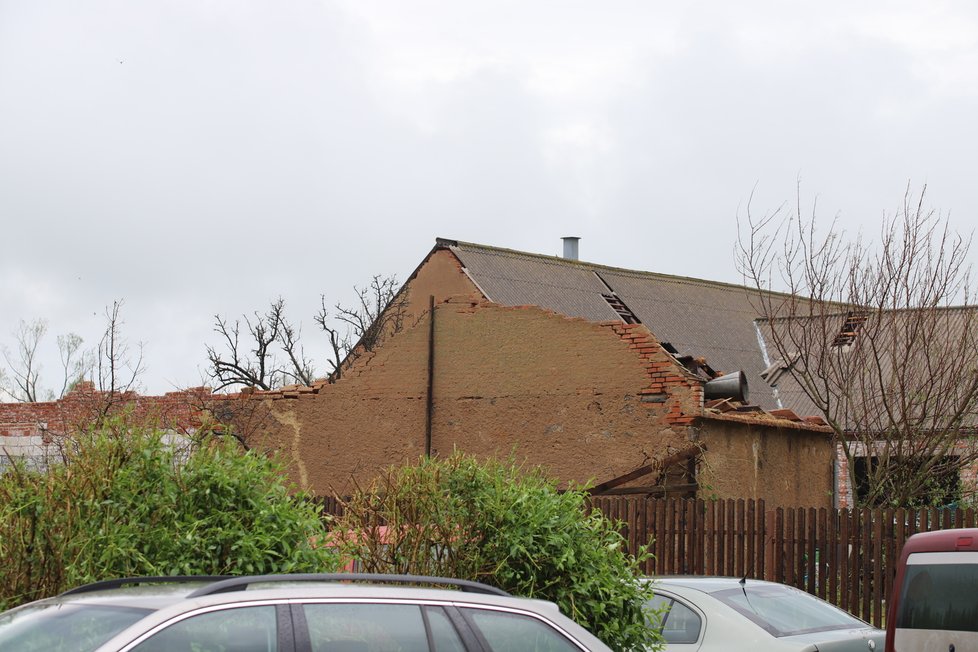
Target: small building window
(942, 486)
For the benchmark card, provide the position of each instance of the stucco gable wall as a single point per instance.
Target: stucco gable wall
(441, 276)
(782, 465)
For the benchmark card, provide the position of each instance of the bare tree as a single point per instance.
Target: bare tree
(24, 366)
(265, 350)
(380, 312)
(117, 366)
(869, 336)
(249, 359)
(22, 382)
(75, 363)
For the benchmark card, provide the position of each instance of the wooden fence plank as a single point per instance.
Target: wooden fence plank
(832, 543)
(878, 550)
(750, 538)
(710, 561)
(820, 545)
(730, 538)
(740, 532)
(844, 556)
(845, 549)
(759, 543)
(866, 567)
(779, 552)
(797, 547)
(811, 551)
(721, 524)
(789, 543)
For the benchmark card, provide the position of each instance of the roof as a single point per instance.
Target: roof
(706, 583)
(858, 356)
(696, 317)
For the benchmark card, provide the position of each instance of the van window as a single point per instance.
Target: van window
(938, 592)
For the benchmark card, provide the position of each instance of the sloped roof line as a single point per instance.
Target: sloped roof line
(698, 317)
(584, 265)
(846, 308)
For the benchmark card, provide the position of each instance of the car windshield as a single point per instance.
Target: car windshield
(785, 611)
(64, 627)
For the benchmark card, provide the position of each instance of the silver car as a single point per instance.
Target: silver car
(290, 613)
(714, 614)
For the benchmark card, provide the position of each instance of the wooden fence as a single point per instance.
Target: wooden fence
(847, 557)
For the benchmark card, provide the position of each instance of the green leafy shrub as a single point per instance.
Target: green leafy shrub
(498, 523)
(127, 501)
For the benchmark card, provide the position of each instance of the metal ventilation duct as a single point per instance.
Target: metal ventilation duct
(732, 385)
(570, 247)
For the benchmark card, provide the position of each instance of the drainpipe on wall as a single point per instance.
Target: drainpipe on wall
(430, 403)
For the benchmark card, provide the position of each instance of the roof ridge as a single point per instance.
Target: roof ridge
(558, 260)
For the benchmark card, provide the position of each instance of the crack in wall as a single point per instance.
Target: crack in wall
(290, 420)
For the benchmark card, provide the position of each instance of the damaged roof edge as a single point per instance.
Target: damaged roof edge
(447, 243)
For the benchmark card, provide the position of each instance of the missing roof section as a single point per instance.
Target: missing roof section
(850, 328)
(616, 303)
(619, 307)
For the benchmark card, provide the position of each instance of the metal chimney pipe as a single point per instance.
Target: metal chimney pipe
(570, 247)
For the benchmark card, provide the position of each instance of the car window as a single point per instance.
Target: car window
(678, 623)
(443, 633)
(239, 629)
(509, 632)
(785, 611)
(64, 627)
(366, 628)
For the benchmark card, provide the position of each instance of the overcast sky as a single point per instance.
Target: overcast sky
(205, 156)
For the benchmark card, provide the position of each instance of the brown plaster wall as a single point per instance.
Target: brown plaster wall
(442, 276)
(783, 466)
(558, 392)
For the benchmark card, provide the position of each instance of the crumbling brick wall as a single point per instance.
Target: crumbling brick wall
(564, 393)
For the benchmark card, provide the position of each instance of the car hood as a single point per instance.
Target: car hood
(868, 639)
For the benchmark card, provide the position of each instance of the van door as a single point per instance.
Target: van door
(938, 603)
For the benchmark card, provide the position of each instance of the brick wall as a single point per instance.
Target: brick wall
(27, 428)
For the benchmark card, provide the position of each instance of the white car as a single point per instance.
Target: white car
(290, 613)
(728, 614)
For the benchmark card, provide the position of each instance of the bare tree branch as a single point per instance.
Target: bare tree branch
(117, 366)
(24, 366)
(22, 380)
(872, 340)
(246, 355)
(74, 362)
(379, 314)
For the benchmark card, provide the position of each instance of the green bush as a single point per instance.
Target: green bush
(498, 523)
(127, 501)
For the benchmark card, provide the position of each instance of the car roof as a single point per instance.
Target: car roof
(145, 597)
(953, 540)
(707, 584)
(176, 596)
(344, 586)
